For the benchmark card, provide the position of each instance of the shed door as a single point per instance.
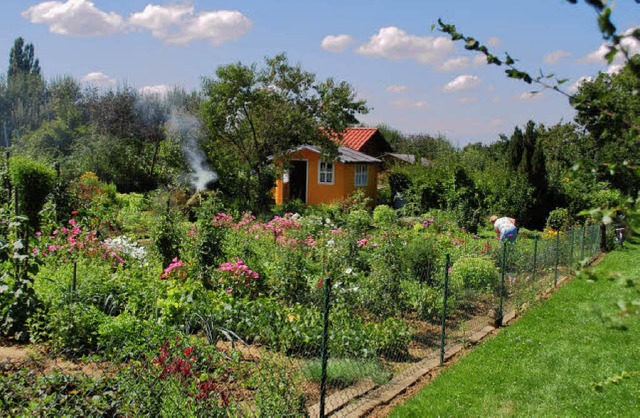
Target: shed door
(298, 181)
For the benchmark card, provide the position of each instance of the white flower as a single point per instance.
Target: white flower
(348, 270)
(331, 242)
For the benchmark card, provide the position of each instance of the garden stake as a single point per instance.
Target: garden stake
(325, 343)
(444, 309)
(504, 256)
(555, 280)
(535, 257)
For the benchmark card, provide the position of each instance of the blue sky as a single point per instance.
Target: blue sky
(413, 78)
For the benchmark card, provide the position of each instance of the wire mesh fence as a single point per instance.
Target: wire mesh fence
(345, 318)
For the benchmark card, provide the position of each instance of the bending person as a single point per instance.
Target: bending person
(505, 228)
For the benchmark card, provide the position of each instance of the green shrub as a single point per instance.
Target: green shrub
(422, 299)
(391, 337)
(420, 257)
(383, 216)
(278, 391)
(33, 182)
(167, 237)
(91, 196)
(477, 273)
(558, 219)
(358, 221)
(125, 336)
(73, 328)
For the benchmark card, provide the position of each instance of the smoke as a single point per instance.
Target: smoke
(187, 128)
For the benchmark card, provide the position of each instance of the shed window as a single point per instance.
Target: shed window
(362, 175)
(325, 174)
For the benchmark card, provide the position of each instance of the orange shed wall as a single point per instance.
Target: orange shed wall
(343, 184)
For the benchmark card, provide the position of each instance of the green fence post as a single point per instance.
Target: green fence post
(555, 280)
(500, 315)
(535, 258)
(73, 284)
(571, 253)
(444, 309)
(582, 241)
(325, 345)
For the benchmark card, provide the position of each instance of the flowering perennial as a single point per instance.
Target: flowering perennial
(169, 271)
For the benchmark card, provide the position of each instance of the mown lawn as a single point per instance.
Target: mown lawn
(549, 362)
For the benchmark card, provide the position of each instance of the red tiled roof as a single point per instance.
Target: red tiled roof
(355, 138)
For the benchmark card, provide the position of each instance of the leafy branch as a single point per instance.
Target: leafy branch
(472, 44)
(550, 81)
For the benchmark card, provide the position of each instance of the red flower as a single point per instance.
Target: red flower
(188, 351)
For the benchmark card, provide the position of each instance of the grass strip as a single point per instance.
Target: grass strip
(560, 359)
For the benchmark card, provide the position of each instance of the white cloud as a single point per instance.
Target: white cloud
(396, 88)
(157, 90)
(614, 68)
(395, 44)
(628, 42)
(99, 79)
(575, 86)
(528, 95)
(178, 24)
(160, 19)
(494, 41)
(173, 24)
(336, 43)
(409, 104)
(595, 57)
(555, 56)
(467, 100)
(462, 83)
(454, 64)
(74, 18)
(479, 60)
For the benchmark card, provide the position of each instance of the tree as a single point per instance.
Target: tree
(126, 133)
(609, 105)
(525, 154)
(22, 60)
(25, 87)
(255, 114)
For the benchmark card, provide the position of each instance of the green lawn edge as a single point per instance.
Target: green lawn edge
(547, 363)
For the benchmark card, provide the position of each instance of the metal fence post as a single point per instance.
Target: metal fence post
(535, 258)
(74, 282)
(555, 280)
(500, 315)
(571, 252)
(325, 345)
(444, 309)
(584, 226)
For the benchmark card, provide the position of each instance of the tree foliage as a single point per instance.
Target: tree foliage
(254, 114)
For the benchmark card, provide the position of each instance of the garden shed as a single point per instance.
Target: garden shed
(312, 180)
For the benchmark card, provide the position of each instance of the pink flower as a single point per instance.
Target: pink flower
(363, 242)
(172, 266)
